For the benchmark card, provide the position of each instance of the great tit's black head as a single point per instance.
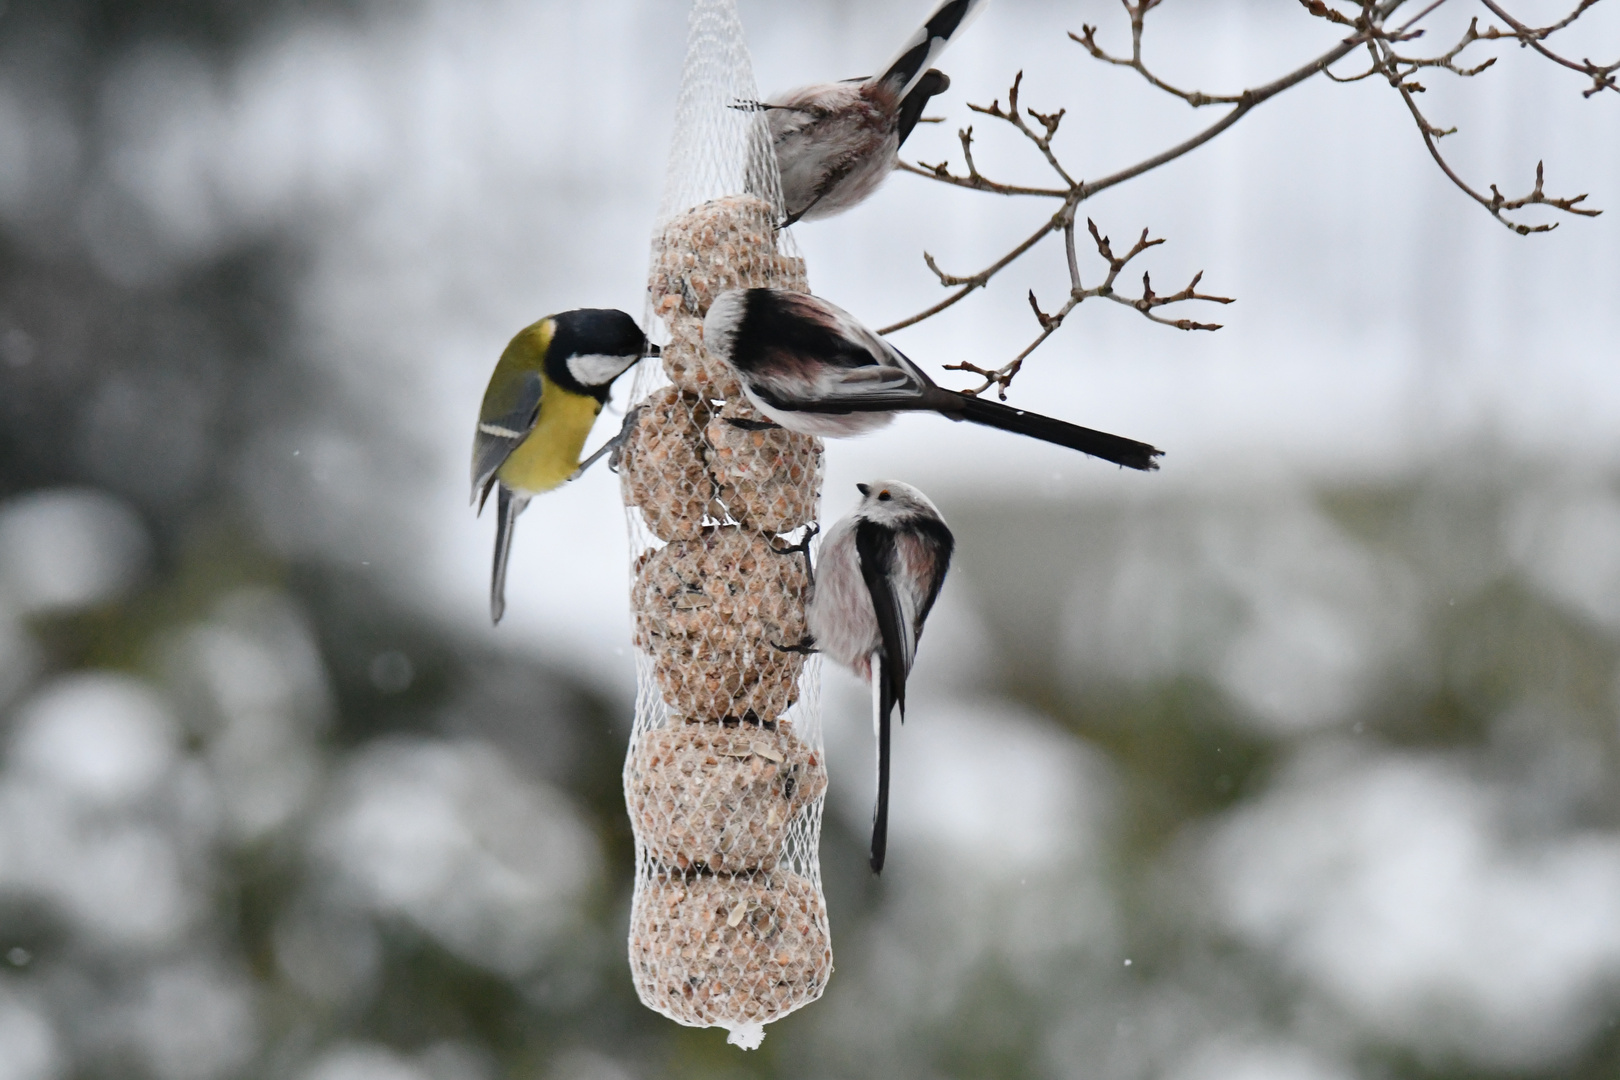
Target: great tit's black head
(590, 347)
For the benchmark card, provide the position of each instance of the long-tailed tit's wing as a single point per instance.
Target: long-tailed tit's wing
(508, 415)
(928, 546)
(799, 352)
(862, 345)
(911, 107)
(920, 51)
(879, 559)
(842, 390)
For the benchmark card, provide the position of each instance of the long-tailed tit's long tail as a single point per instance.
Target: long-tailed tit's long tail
(882, 711)
(1115, 448)
(923, 48)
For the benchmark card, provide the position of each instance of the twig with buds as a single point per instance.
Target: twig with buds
(1390, 56)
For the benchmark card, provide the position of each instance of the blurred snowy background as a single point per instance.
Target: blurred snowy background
(1296, 761)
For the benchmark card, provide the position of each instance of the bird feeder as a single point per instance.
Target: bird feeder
(725, 778)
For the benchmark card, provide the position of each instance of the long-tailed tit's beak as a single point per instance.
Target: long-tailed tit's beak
(863, 489)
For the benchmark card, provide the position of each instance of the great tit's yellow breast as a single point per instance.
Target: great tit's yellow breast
(550, 454)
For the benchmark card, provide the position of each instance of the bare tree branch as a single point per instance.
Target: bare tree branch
(1497, 203)
(1078, 192)
(1388, 57)
(1147, 303)
(974, 179)
(1048, 121)
(976, 281)
(1138, 11)
(1603, 75)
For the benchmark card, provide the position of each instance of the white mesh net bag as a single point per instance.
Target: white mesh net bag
(726, 774)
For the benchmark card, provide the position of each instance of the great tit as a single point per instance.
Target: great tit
(836, 142)
(813, 368)
(880, 572)
(546, 391)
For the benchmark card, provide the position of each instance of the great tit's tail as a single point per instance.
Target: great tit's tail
(882, 709)
(923, 47)
(1121, 451)
(507, 507)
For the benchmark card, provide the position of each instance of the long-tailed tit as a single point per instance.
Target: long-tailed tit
(811, 367)
(880, 571)
(836, 142)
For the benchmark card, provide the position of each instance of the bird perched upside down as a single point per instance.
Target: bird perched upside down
(812, 367)
(836, 142)
(880, 572)
(543, 398)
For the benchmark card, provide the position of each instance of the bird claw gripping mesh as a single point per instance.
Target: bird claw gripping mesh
(725, 777)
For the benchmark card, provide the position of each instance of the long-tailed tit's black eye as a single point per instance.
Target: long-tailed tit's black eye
(884, 496)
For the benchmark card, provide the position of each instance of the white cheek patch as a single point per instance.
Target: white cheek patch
(596, 369)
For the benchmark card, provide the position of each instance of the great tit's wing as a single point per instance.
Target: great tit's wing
(511, 407)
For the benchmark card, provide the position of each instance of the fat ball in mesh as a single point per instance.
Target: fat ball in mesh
(729, 949)
(662, 467)
(708, 611)
(718, 798)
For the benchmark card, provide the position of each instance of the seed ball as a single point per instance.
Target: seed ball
(711, 611)
(723, 244)
(770, 479)
(708, 797)
(662, 469)
(690, 367)
(722, 949)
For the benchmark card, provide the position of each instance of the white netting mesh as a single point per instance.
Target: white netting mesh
(725, 776)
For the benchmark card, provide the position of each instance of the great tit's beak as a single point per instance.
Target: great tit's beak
(653, 350)
(863, 489)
